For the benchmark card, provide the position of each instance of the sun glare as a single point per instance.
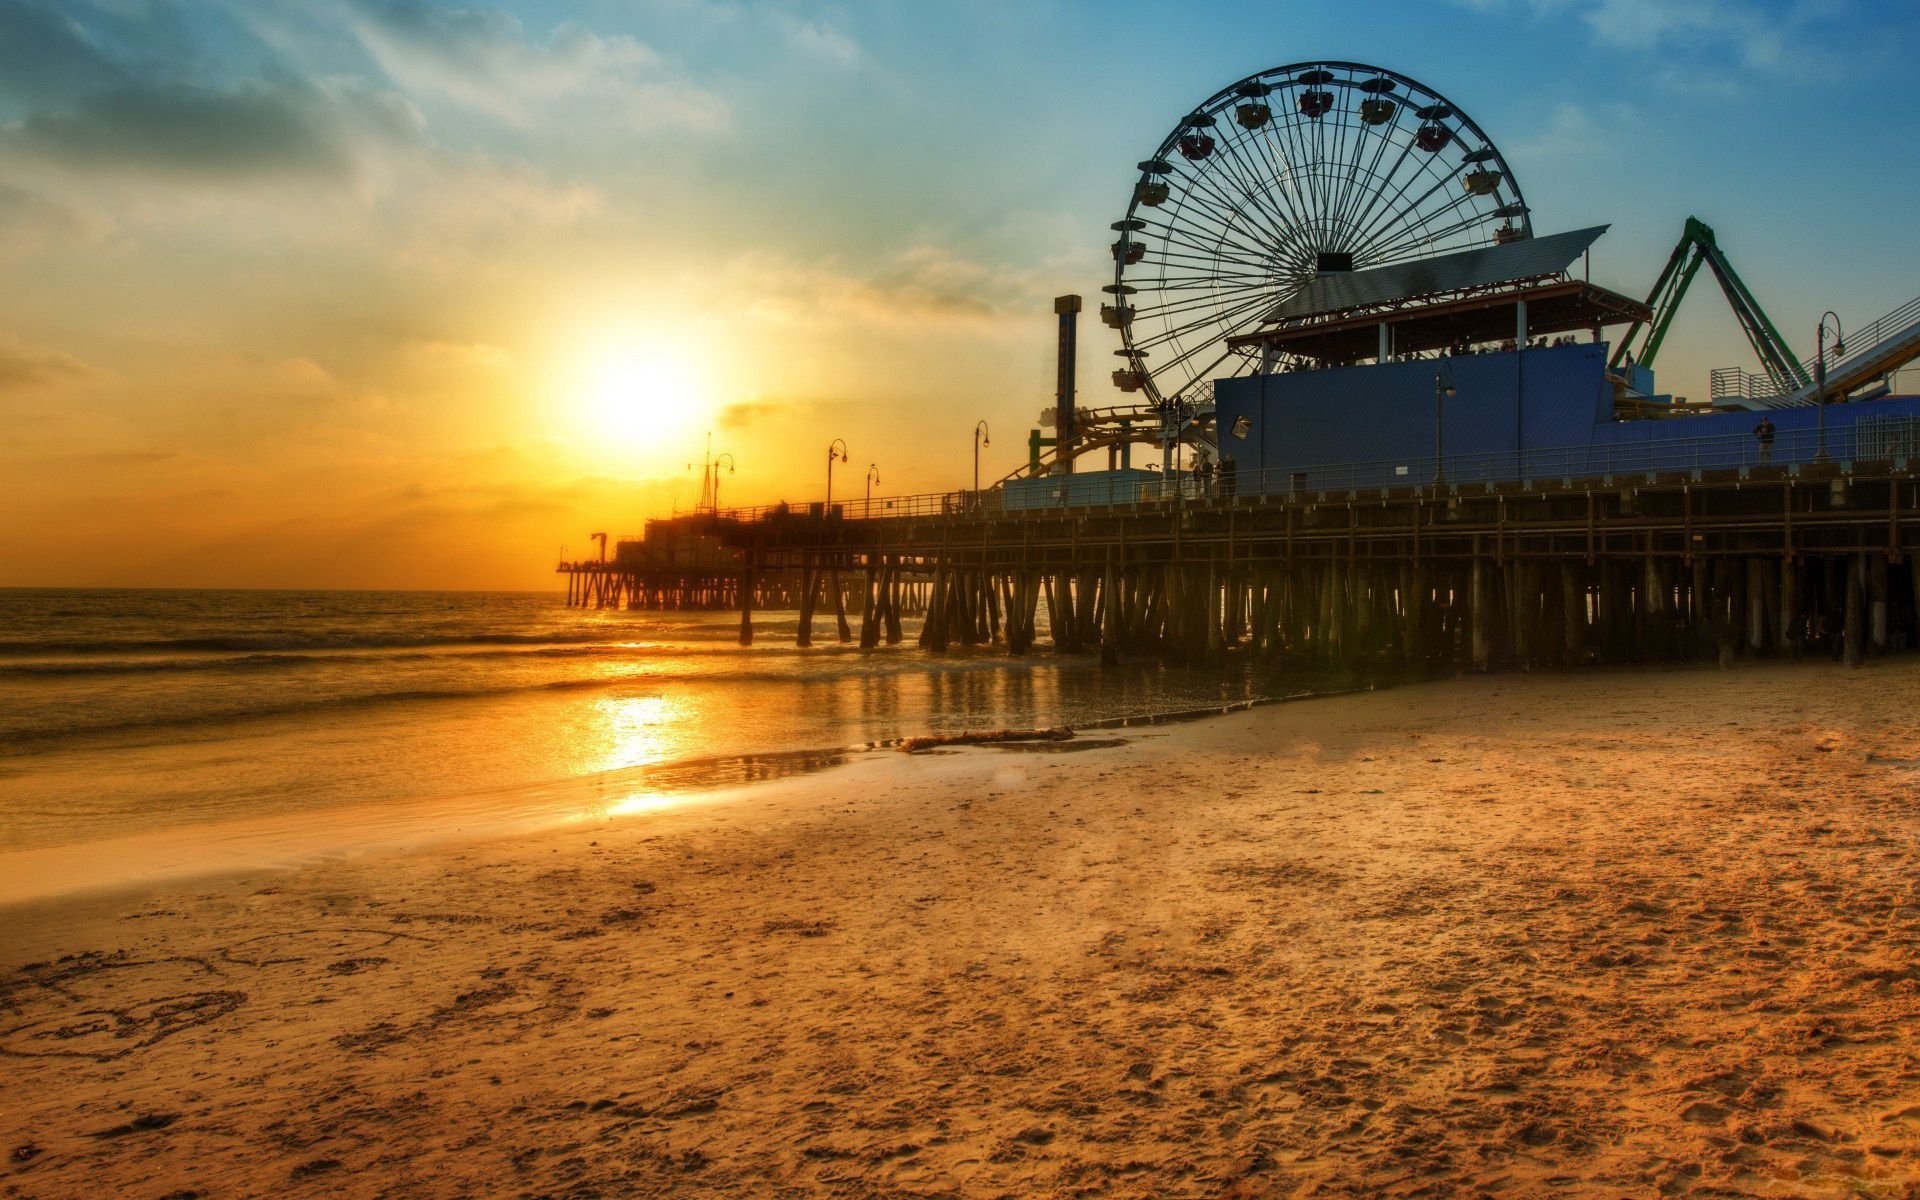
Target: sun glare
(643, 396)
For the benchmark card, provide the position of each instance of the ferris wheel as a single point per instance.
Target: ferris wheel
(1289, 174)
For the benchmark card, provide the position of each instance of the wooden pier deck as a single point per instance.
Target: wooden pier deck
(1754, 561)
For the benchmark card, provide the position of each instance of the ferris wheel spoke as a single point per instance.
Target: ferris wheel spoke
(1219, 205)
(1250, 149)
(1205, 372)
(1359, 179)
(1411, 238)
(1417, 244)
(1382, 214)
(1379, 182)
(1424, 169)
(1210, 225)
(1394, 218)
(1379, 231)
(1391, 239)
(1158, 316)
(1300, 156)
(1223, 318)
(1233, 172)
(1344, 185)
(1212, 247)
(1285, 185)
(1161, 313)
(1251, 206)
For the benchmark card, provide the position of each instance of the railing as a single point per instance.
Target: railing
(880, 508)
(1894, 438)
(1733, 383)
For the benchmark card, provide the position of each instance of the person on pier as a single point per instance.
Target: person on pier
(1763, 433)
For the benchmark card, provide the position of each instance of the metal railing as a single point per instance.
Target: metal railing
(1894, 438)
(1899, 326)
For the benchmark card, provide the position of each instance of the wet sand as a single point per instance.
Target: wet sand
(1616, 935)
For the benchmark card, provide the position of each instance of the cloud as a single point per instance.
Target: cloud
(252, 130)
(32, 221)
(465, 356)
(486, 61)
(816, 39)
(1572, 131)
(745, 414)
(1758, 38)
(926, 283)
(23, 366)
(47, 55)
(110, 459)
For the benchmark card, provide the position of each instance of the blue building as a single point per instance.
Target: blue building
(1547, 413)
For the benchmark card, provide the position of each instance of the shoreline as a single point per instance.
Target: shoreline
(292, 841)
(1505, 934)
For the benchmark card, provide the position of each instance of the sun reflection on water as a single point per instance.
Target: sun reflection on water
(634, 731)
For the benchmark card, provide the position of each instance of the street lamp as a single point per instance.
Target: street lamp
(1442, 388)
(710, 477)
(981, 438)
(873, 477)
(835, 449)
(1820, 375)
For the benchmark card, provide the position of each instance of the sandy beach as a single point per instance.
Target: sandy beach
(1652, 933)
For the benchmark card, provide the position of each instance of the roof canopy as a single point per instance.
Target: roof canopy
(1555, 306)
(1529, 258)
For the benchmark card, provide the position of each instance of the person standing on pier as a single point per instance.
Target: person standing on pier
(1763, 433)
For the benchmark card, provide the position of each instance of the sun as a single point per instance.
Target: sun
(639, 396)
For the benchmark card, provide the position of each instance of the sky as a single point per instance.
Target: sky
(390, 293)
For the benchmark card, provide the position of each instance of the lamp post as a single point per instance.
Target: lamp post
(981, 437)
(873, 477)
(1820, 375)
(710, 477)
(1442, 388)
(835, 449)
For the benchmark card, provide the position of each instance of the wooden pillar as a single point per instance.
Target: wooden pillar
(746, 600)
(1413, 615)
(1877, 602)
(869, 628)
(1789, 623)
(1110, 625)
(839, 605)
(1655, 622)
(1727, 609)
(1482, 603)
(890, 590)
(1522, 609)
(1573, 613)
(809, 585)
(1758, 594)
(933, 631)
(1854, 636)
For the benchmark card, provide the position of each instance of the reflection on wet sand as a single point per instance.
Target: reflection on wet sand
(656, 785)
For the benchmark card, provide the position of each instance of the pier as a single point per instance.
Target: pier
(1654, 567)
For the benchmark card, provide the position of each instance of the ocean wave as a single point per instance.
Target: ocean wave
(34, 667)
(328, 640)
(28, 741)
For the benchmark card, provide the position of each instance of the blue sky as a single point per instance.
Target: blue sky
(316, 275)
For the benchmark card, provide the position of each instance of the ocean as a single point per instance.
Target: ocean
(150, 734)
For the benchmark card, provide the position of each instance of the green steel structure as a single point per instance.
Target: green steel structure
(1697, 245)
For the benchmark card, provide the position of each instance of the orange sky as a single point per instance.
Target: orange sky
(363, 293)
